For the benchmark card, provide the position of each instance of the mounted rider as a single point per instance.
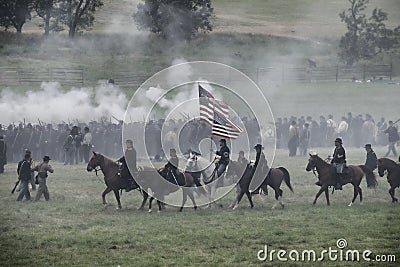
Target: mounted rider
(339, 162)
(172, 174)
(260, 167)
(128, 164)
(223, 157)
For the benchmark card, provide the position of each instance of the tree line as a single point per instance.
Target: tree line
(184, 19)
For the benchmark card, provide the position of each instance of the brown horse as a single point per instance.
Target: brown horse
(273, 179)
(393, 174)
(113, 181)
(155, 180)
(327, 177)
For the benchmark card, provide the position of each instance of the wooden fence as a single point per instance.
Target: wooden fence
(284, 74)
(22, 76)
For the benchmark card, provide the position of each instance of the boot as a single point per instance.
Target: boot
(339, 182)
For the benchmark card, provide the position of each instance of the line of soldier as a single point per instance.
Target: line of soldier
(69, 144)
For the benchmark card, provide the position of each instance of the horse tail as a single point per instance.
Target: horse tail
(371, 179)
(286, 177)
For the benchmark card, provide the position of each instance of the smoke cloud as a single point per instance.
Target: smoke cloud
(51, 104)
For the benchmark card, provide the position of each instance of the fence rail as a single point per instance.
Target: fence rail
(65, 76)
(69, 76)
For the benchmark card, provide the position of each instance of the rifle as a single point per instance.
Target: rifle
(15, 186)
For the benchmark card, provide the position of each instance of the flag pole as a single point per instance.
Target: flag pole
(211, 136)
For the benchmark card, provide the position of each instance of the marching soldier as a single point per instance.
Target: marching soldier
(42, 170)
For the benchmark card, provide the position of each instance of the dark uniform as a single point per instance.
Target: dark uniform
(3, 154)
(172, 173)
(24, 175)
(371, 161)
(224, 160)
(128, 164)
(339, 162)
(261, 168)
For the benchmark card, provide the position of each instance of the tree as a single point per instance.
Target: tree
(15, 13)
(78, 14)
(365, 38)
(174, 19)
(48, 11)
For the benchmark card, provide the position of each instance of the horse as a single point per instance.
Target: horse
(273, 178)
(199, 165)
(393, 174)
(149, 178)
(327, 177)
(113, 181)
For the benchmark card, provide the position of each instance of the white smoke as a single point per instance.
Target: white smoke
(52, 104)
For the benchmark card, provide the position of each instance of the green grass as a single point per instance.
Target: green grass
(74, 229)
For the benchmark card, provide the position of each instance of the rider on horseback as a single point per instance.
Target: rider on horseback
(260, 168)
(339, 162)
(173, 175)
(223, 156)
(125, 172)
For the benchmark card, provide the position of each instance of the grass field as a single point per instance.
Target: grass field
(74, 229)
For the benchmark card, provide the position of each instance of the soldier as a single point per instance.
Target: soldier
(86, 144)
(339, 162)
(242, 160)
(304, 139)
(393, 137)
(24, 175)
(3, 154)
(42, 170)
(261, 165)
(128, 165)
(371, 161)
(173, 175)
(223, 156)
(293, 142)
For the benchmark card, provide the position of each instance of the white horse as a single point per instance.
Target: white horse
(199, 166)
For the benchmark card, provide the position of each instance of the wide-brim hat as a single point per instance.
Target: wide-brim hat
(258, 146)
(339, 140)
(46, 158)
(367, 146)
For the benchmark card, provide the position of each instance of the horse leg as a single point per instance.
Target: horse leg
(327, 196)
(360, 193)
(191, 196)
(391, 192)
(280, 198)
(322, 189)
(160, 206)
(116, 193)
(145, 197)
(150, 201)
(184, 198)
(108, 190)
(250, 199)
(237, 200)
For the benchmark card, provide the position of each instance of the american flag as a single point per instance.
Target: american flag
(216, 113)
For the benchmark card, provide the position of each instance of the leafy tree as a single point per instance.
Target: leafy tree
(365, 38)
(78, 14)
(15, 13)
(174, 19)
(48, 11)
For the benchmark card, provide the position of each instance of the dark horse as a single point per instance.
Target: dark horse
(327, 177)
(113, 181)
(273, 179)
(393, 174)
(150, 178)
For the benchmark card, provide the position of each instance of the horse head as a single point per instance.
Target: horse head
(93, 162)
(312, 162)
(381, 167)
